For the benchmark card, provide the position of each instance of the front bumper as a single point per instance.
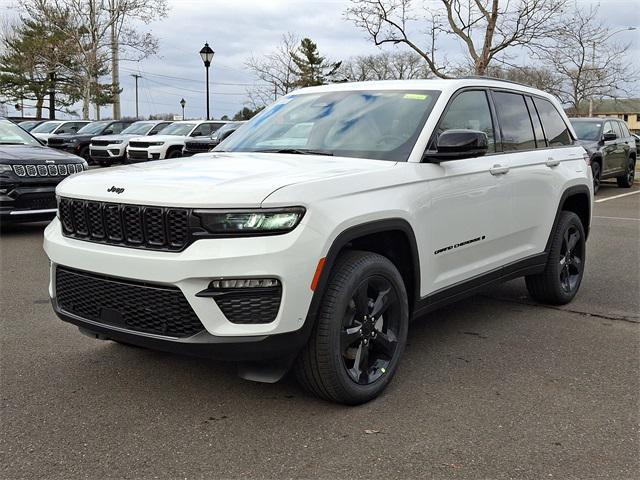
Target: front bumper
(285, 257)
(28, 204)
(145, 154)
(107, 154)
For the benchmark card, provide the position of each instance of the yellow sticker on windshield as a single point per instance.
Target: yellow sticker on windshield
(415, 96)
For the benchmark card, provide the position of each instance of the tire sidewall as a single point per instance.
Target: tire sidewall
(378, 266)
(597, 174)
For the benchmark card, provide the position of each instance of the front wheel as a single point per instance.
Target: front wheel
(360, 332)
(174, 153)
(597, 174)
(561, 278)
(626, 181)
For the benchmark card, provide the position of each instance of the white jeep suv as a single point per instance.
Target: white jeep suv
(405, 195)
(170, 142)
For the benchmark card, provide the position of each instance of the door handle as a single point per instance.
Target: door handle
(552, 163)
(498, 169)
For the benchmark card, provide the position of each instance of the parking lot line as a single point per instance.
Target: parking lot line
(617, 196)
(618, 218)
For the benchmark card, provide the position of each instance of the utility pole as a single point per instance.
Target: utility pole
(52, 95)
(136, 76)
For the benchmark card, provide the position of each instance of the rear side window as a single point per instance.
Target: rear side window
(554, 127)
(608, 128)
(515, 123)
(618, 129)
(469, 111)
(624, 129)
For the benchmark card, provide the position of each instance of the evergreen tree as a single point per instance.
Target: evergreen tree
(310, 68)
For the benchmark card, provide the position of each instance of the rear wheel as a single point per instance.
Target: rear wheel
(360, 332)
(626, 181)
(561, 279)
(597, 174)
(175, 153)
(103, 163)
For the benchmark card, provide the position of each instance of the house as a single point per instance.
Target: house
(627, 109)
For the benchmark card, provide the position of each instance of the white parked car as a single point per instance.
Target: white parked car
(404, 196)
(46, 130)
(170, 142)
(109, 149)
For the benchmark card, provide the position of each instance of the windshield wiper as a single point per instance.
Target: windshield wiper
(12, 143)
(297, 151)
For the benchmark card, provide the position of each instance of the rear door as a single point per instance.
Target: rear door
(612, 150)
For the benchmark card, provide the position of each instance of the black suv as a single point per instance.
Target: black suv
(611, 147)
(29, 173)
(78, 143)
(204, 144)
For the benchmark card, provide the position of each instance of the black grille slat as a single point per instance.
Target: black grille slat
(139, 144)
(100, 143)
(247, 307)
(154, 228)
(140, 307)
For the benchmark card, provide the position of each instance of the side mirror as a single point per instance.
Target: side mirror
(108, 132)
(457, 144)
(607, 137)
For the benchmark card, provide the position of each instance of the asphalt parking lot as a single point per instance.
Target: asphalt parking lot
(493, 387)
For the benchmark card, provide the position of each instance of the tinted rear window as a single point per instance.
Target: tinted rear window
(517, 131)
(554, 127)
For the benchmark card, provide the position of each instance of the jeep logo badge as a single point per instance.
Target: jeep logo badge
(115, 190)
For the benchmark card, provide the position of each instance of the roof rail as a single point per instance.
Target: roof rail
(495, 79)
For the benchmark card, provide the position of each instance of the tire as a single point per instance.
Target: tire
(84, 153)
(626, 181)
(351, 358)
(104, 164)
(561, 279)
(175, 153)
(596, 170)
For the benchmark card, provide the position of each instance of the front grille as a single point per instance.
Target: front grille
(55, 141)
(100, 143)
(198, 146)
(138, 155)
(155, 309)
(139, 144)
(251, 305)
(155, 228)
(59, 170)
(99, 153)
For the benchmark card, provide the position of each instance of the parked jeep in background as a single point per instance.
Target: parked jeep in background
(29, 173)
(205, 144)
(46, 130)
(611, 147)
(78, 143)
(109, 149)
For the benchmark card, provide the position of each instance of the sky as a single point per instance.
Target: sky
(237, 29)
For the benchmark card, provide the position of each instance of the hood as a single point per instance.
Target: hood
(211, 180)
(159, 138)
(589, 145)
(32, 154)
(69, 136)
(107, 138)
(203, 140)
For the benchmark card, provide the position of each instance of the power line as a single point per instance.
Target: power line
(182, 89)
(239, 84)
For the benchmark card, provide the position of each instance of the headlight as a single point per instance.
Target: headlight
(115, 142)
(155, 144)
(85, 165)
(254, 222)
(73, 140)
(5, 168)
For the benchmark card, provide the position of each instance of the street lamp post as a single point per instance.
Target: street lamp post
(207, 55)
(183, 102)
(593, 58)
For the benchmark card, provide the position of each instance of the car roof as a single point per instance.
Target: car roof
(594, 119)
(447, 86)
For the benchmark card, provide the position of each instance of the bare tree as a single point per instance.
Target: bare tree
(486, 28)
(384, 66)
(274, 70)
(586, 62)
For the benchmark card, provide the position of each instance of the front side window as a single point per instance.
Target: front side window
(469, 111)
(554, 127)
(93, 128)
(373, 124)
(609, 129)
(158, 128)
(138, 128)
(515, 123)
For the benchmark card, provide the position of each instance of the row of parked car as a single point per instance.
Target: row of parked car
(127, 141)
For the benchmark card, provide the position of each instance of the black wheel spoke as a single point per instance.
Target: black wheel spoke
(386, 342)
(573, 239)
(349, 336)
(381, 303)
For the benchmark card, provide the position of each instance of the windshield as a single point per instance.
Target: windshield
(587, 130)
(138, 128)
(12, 134)
(29, 124)
(382, 124)
(93, 128)
(182, 129)
(46, 127)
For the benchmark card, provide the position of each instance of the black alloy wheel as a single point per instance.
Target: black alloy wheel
(626, 181)
(369, 337)
(571, 260)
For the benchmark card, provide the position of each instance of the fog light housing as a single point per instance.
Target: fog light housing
(244, 283)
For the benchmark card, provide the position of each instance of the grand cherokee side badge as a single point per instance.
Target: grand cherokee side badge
(115, 189)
